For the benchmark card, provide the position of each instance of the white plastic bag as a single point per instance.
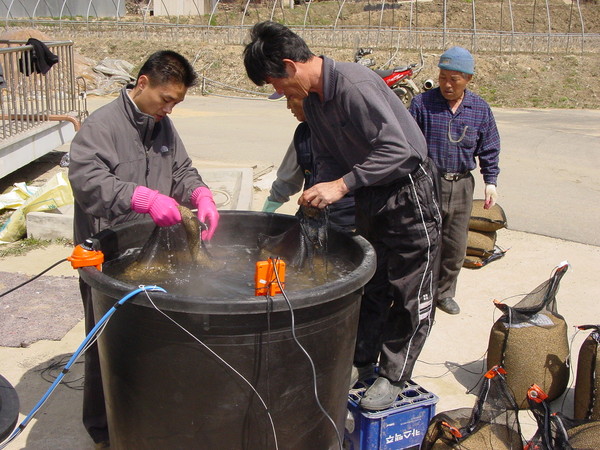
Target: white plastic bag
(16, 196)
(54, 194)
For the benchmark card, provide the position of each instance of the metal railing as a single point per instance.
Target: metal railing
(30, 98)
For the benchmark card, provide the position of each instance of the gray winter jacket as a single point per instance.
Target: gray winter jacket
(362, 127)
(290, 178)
(117, 149)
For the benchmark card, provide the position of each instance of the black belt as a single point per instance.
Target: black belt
(453, 176)
(422, 170)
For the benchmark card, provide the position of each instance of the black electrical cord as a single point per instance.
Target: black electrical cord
(312, 364)
(33, 278)
(53, 370)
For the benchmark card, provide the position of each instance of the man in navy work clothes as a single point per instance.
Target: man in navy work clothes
(297, 171)
(459, 126)
(359, 125)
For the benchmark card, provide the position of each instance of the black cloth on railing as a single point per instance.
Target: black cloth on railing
(2, 82)
(40, 60)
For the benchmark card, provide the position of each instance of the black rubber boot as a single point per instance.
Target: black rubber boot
(381, 395)
(361, 373)
(448, 305)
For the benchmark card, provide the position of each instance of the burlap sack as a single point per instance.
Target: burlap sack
(481, 243)
(586, 436)
(489, 436)
(534, 352)
(587, 384)
(486, 219)
(558, 432)
(493, 421)
(473, 262)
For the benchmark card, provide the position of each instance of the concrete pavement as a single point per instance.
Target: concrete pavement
(549, 164)
(451, 363)
(245, 133)
(549, 161)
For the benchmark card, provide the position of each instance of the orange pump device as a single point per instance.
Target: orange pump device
(84, 255)
(265, 281)
(536, 393)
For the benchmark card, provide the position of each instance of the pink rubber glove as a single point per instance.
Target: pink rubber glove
(162, 209)
(207, 211)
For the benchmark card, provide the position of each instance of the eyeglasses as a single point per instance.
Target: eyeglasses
(462, 136)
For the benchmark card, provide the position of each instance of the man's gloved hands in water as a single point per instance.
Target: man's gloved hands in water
(207, 211)
(271, 206)
(162, 208)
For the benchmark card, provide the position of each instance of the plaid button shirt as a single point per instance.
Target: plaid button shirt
(454, 140)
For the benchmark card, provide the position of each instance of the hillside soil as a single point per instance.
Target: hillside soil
(507, 80)
(514, 81)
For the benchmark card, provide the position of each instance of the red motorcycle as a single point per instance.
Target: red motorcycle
(399, 79)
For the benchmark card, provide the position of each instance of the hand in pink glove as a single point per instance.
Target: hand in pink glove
(207, 211)
(162, 209)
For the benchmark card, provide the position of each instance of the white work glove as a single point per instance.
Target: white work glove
(491, 195)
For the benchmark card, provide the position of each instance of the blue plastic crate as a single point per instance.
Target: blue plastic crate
(402, 426)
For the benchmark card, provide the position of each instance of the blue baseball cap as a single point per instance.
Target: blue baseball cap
(458, 59)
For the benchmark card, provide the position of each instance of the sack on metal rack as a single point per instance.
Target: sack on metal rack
(530, 342)
(587, 384)
(492, 423)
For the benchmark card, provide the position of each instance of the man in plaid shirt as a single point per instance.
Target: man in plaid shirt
(459, 126)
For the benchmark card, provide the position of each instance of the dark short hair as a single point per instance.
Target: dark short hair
(167, 66)
(270, 44)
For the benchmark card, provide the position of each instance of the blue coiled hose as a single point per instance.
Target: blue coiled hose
(89, 340)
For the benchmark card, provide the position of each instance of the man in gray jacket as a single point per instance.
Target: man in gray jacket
(358, 124)
(128, 160)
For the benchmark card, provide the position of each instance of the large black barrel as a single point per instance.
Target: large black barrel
(166, 390)
(9, 408)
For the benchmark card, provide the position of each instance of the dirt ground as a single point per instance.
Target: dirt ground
(516, 81)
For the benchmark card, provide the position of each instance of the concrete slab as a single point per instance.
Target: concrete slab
(27, 147)
(54, 224)
(231, 187)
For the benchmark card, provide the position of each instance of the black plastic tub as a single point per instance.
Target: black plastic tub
(9, 408)
(166, 390)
